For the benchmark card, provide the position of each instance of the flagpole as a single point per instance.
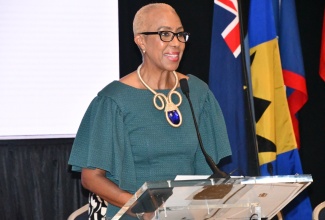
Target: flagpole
(253, 162)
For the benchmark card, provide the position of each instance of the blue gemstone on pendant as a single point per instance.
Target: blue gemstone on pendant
(174, 117)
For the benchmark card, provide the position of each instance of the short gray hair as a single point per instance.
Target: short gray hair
(139, 20)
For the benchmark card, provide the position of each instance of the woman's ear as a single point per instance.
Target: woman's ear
(138, 39)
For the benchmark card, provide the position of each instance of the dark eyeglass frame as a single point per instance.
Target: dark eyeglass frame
(178, 35)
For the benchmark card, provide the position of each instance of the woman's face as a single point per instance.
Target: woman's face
(159, 54)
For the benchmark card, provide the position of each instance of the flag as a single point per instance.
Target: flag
(322, 52)
(227, 82)
(292, 62)
(278, 152)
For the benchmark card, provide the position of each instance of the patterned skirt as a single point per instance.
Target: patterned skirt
(97, 207)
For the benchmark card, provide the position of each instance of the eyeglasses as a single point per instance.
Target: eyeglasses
(168, 36)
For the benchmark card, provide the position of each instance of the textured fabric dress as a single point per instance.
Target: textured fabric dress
(123, 133)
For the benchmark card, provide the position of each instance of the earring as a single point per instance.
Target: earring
(143, 51)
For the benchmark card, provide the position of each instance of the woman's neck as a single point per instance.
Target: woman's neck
(158, 79)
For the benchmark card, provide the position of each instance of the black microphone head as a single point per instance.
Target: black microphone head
(184, 86)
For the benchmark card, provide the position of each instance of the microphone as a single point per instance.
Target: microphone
(217, 173)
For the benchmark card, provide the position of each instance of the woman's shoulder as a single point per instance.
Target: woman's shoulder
(132, 80)
(197, 83)
(113, 88)
(118, 88)
(112, 97)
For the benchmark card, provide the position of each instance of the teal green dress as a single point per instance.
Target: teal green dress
(123, 133)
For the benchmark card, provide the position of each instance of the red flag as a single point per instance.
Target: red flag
(322, 53)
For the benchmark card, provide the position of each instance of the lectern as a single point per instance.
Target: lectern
(213, 199)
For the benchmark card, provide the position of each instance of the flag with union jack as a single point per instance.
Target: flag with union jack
(227, 82)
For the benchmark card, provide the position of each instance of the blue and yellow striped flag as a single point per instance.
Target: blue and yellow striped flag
(278, 153)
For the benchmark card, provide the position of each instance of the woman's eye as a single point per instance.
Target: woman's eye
(165, 33)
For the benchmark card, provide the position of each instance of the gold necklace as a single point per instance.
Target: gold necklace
(173, 115)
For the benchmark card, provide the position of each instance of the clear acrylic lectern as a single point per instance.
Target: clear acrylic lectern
(203, 199)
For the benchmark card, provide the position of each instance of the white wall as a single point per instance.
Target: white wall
(54, 58)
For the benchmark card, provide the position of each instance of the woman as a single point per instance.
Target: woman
(126, 137)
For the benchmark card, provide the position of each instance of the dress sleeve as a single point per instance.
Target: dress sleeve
(213, 130)
(101, 143)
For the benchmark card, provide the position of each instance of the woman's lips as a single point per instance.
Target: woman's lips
(172, 56)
